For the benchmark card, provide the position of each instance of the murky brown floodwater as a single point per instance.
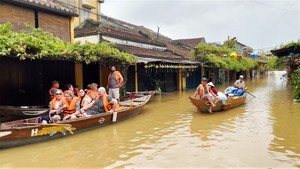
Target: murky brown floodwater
(171, 133)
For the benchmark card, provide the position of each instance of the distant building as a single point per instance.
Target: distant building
(151, 48)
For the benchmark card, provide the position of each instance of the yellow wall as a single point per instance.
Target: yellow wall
(94, 6)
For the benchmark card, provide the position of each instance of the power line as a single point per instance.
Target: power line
(275, 7)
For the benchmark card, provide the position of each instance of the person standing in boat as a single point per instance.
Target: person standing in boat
(103, 104)
(52, 91)
(204, 91)
(115, 81)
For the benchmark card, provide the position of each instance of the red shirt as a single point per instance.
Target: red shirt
(214, 90)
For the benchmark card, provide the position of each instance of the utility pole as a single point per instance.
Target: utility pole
(157, 31)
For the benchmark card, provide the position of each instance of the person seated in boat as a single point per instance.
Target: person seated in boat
(57, 105)
(103, 104)
(92, 91)
(204, 91)
(76, 90)
(54, 87)
(71, 111)
(69, 87)
(240, 85)
(220, 95)
(83, 99)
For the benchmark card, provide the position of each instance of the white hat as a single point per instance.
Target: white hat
(211, 84)
(241, 76)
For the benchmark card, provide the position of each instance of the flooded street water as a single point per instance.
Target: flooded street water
(171, 133)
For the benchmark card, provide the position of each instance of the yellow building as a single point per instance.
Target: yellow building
(86, 9)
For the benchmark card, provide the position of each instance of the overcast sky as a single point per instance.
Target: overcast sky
(260, 24)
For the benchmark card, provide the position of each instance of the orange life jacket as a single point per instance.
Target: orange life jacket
(92, 92)
(201, 91)
(118, 77)
(71, 108)
(61, 102)
(107, 106)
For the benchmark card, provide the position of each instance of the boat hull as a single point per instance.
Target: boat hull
(22, 132)
(203, 105)
(9, 113)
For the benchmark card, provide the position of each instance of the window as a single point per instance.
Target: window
(86, 14)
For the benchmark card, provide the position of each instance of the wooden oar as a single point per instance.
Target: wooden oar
(251, 94)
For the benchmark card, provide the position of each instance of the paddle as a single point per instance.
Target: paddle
(251, 94)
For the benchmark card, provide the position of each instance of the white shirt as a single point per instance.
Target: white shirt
(240, 84)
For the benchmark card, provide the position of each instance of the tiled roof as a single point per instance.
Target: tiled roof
(148, 52)
(193, 42)
(54, 6)
(126, 35)
(184, 52)
(121, 25)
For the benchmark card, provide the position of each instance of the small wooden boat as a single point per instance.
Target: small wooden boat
(21, 112)
(204, 105)
(27, 131)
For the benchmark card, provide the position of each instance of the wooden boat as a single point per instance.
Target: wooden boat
(27, 131)
(21, 112)
(204, 105)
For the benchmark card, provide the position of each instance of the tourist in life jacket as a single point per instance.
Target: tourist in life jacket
(69, 87)
(114, 82)
(205, 93)
(55, 86)
(71, 110)
(103, 104)
(57, 105)
(92, 91)
(76, 90)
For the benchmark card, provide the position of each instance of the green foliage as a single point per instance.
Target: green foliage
(230, 44)
(37, 44)
(206, 53)
(273, 63)
(296, 83)
(291, 44)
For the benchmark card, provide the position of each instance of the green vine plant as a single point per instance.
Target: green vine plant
(37, 44)
(219, 56)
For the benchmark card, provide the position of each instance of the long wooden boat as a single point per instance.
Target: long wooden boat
(21, 112)
(204, 105)
(27, 131)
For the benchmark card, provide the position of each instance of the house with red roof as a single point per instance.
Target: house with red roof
(160, 60)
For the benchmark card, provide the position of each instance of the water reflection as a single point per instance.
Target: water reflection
(286, 115)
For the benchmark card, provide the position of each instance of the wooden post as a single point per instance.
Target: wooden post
(78, 74)
(136, 78)
(202, 70)
(179, 80)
